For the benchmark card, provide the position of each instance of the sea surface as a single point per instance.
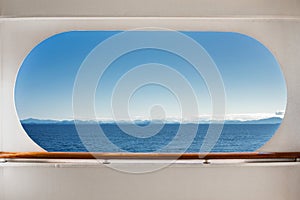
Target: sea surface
(65, 138)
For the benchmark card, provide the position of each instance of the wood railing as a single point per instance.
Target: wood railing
(88, 155)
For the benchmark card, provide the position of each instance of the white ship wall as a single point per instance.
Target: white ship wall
(24, 24)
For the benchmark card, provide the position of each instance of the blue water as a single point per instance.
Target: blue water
(234, 138)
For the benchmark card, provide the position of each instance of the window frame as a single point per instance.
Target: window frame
(132, 23)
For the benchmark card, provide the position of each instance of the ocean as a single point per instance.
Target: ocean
(65, 138)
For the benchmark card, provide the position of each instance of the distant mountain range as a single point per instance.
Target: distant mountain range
(272, 120)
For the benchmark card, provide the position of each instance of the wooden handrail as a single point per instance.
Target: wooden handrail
(88, 155)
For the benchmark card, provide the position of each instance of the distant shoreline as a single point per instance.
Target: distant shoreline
(272, 120)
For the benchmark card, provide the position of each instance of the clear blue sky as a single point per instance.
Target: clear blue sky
(252, 77)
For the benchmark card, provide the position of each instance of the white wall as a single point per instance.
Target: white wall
(281, 36)
(180, 182)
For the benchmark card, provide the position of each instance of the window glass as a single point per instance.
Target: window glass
(151, 97)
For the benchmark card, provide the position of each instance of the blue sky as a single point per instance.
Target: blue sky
(253, 81)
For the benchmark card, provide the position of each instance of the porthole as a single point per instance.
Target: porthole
(254, 88)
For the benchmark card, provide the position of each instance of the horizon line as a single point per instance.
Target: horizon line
(204, 117)
(151, 120)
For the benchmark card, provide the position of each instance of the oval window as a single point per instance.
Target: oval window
(150, 91)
